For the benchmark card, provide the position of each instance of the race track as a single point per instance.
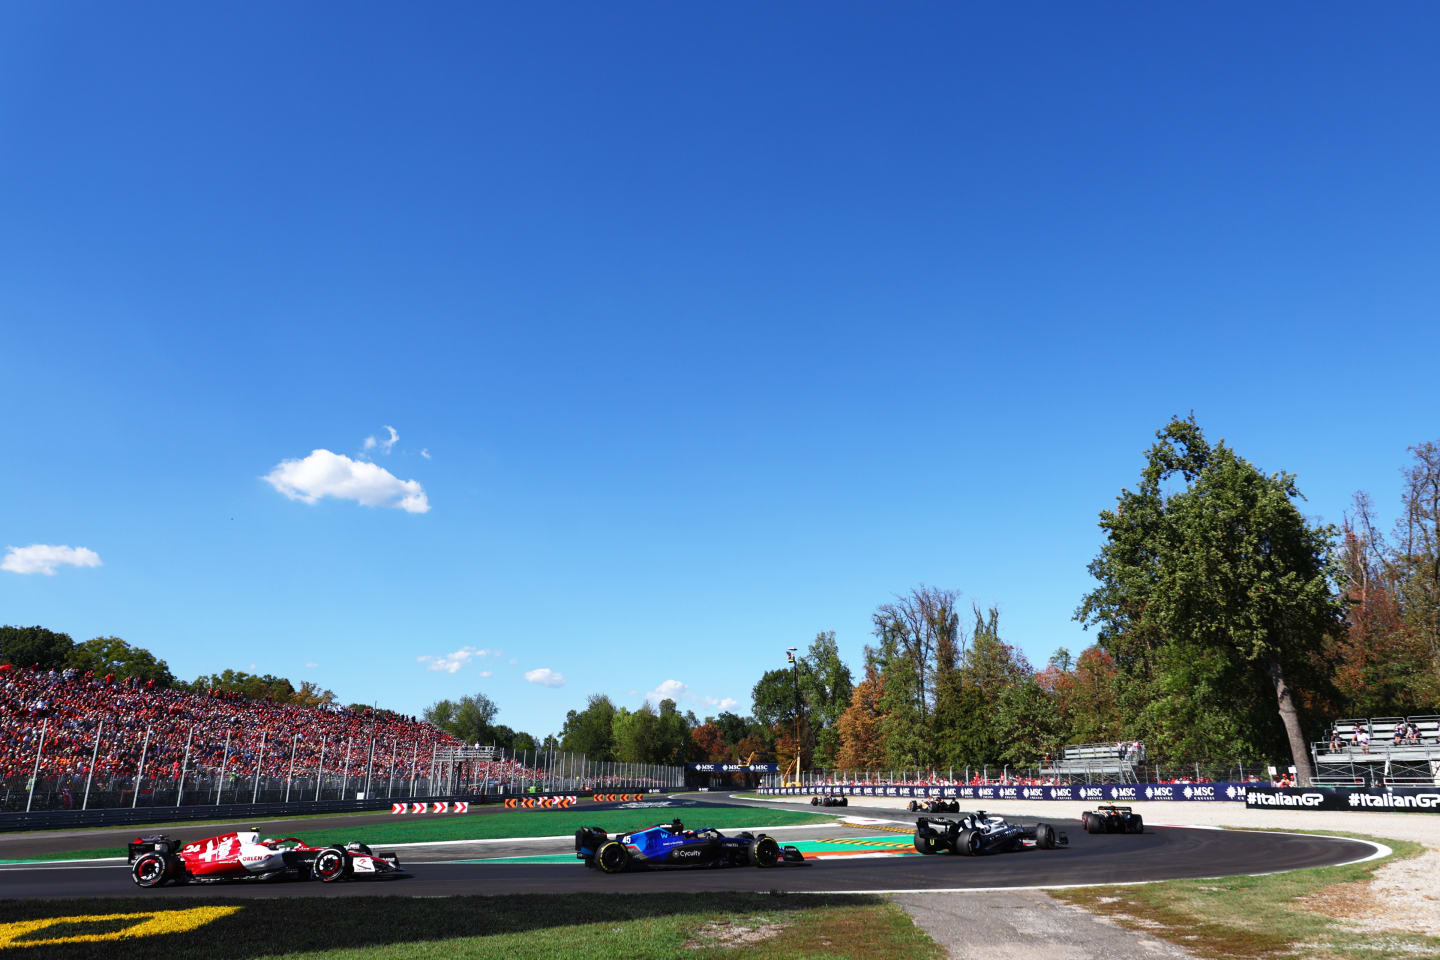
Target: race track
(1161, 853)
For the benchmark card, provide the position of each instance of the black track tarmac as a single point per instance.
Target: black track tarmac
(1162, 853)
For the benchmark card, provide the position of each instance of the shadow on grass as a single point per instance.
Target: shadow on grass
(267, 927)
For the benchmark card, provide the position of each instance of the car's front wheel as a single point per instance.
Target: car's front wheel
(814, 801)
(967, 842)
(1044, 836)
(764, 852)
(329, 865)
(150, 870)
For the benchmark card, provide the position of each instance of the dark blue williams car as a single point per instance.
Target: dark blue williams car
(671, 845)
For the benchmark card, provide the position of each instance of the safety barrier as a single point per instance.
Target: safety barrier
(540, 803)
(618, 797)
(1229, 791)
(459, 806)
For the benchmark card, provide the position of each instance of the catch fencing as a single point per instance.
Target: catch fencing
(138, 765)
(1146, 774)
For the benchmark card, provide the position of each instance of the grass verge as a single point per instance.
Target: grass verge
(1256, 918)
(525, 823)
(629, 926)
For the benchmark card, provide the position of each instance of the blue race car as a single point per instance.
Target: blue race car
(671, 845)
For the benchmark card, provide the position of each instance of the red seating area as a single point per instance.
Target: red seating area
(74, 706)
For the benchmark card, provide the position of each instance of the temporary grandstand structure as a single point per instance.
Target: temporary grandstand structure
(1097, 762)
(1343, 760)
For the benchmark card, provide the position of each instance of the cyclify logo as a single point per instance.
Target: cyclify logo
(51, 930)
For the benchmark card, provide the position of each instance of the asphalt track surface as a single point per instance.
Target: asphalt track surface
(1161, 853)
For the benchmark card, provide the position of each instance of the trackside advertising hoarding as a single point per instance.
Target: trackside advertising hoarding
(1107, 793)
(733, 767)
(1418, 799)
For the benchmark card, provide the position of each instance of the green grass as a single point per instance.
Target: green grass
(1256, 918)
(531, 927)
(521, 823)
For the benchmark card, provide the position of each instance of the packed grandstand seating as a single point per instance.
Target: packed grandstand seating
(73, 707)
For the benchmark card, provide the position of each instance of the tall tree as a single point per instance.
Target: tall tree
(1215, 587)
(111, 655)
(862, 746)
(1418, 536)
(825, 687)
(34, 646)
(591, 731)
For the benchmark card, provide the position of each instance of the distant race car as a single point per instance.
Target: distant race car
(975, 834)
(242, 855)
(829, 800)
(933, 805)
(1112, 819)
(671, 845)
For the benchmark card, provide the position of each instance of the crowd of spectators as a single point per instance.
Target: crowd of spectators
(75, 707)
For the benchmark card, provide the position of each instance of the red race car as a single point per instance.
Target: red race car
(157, 860)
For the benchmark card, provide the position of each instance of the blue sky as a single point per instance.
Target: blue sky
(719, 324)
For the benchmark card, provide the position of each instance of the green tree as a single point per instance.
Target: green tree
(635, 734)
(672, 735)
(106, 655)
(34, 646)
(591, 731)
(1027, 724)
(1212, 589)
(825, 688)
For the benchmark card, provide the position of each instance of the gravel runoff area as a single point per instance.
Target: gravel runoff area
(1402, 896)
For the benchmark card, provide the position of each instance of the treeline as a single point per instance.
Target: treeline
(472, 720)
(113, 657)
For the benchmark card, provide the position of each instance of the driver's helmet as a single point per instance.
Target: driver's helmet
(676, 826)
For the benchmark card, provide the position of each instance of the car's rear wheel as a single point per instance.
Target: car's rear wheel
(1136, 824)
(1044, 836)
(844, 801)
(613, 857)
(927, 842)
(764, 852)
(329, 865)
(1094, 823)
(912, 806)
(150, 870)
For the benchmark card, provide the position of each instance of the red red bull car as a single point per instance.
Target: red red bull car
(242, 855)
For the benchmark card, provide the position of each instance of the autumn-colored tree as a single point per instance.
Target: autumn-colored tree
(861, 743)
(710, 742)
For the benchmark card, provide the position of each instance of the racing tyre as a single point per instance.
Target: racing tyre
(913, 806)
(967, 842)
(927, 843)
(150, 870)
(844, 801)
(1044, 836)
(1094, 824)
(330, 865)
(814, 801)
(764, 852)
(612, 857)
(1135, 824)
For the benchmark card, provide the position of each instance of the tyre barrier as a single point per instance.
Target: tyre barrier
(618, 797)
(540, 803)
(459, 806)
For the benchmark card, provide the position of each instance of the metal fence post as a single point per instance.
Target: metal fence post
(139, 774)
(225, 759)
(255, 792)
(390, 787)
(414, 758)
(320, 771)
(39, 749)
(89, 774)
(180, 791)
(290, 774)
(345, 783)
(369, 763)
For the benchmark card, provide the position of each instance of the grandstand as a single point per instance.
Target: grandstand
(1367, 750)
(1098, 762)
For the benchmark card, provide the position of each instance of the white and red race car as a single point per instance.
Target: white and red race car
(242, 855)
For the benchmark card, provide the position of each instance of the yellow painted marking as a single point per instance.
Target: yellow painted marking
(146, 925)
(884, 844)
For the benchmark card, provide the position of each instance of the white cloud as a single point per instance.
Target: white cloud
(513, 661)
(326, 474)
(546, 677)
(44, 558)
(425, 452)
(311, 665)
(451, 662)
(487, 673)
(384, 445)
(681, 693)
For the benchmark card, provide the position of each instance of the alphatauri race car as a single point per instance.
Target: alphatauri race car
(975, 834)
(671, 845)
(829, 800)
(933, 805)
(1112, 819)
(242, 855)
